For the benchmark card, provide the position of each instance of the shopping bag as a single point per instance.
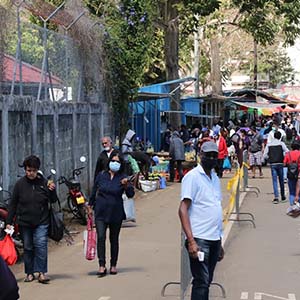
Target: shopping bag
(8, 250)
(56, 225)
(226, 164)
(129, 208)
(89, 240)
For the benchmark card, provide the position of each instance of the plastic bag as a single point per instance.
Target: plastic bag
(8, 250)
(129, 208)
(226, 164)
(89, 240)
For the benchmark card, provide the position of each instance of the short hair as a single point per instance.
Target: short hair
(121, 158)
(31, 161)
(295, 145)
(107, 138)
(277, 135)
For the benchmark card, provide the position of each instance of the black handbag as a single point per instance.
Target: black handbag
(56, 225)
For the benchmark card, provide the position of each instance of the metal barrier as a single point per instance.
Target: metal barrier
(186, 275)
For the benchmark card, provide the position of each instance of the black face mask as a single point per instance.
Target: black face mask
(208, 163)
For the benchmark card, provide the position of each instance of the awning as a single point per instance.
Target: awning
(256, 105)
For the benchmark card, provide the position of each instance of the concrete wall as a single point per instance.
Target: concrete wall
(59, 133)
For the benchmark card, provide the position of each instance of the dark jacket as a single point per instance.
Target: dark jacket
(106, 198)
(9, 288)
(30, 202)
(102, 163)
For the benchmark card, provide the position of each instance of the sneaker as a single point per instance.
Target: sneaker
(283, 200)
(275, 201)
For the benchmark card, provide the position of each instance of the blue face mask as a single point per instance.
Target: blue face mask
(114, 166)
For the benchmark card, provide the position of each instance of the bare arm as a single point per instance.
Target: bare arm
(186, 227)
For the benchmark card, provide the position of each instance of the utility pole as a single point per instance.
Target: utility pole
(255, 84)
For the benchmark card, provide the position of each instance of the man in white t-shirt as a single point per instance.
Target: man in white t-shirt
(200, 213)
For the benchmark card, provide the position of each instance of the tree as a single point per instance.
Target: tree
(129, 33)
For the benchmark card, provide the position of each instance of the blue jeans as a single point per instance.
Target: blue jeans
(203, 271)
(292, 183)
(35, 248)
(277, 171)
(114, 232)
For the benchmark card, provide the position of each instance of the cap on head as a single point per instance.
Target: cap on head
(209, 147)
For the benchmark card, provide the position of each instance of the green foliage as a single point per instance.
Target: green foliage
(129, 36)
(264, 19)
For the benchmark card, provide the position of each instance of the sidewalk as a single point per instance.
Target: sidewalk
(149, 257)
(262, 263)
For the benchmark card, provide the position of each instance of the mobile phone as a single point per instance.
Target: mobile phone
(201, 256)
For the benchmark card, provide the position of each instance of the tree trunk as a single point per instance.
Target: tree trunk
(216, 79)
(171, 58)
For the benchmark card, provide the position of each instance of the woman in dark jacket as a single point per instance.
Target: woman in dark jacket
(30, 206)
(107, 202)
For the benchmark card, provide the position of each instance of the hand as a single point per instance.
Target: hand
(51, 186)
(221, 254)
(8, 226)
(124, 182)
(193, 249)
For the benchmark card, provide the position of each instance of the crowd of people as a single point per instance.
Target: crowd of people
(269, 140)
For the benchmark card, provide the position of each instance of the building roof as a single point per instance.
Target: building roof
(30, 73)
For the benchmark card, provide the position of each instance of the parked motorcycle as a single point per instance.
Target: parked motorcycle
(76, 199)
(16, 236)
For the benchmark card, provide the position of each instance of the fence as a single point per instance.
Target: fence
(52, 97)
(59, 133)
(239, 182)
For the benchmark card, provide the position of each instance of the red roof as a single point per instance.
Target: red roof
(30, 74)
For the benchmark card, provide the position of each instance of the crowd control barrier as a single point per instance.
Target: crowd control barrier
(239, 182)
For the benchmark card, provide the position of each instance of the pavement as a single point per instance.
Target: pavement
(259, 263)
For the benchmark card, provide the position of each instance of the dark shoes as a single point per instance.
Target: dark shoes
(283, 200)
(275, 201)
(102, 274)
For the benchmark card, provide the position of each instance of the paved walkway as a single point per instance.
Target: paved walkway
(265, 259)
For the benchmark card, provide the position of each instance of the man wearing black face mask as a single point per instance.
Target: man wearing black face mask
(200, 213)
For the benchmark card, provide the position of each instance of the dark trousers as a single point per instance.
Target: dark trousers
(114, 232)
(178, 167)
(219, 168)
(203, 271)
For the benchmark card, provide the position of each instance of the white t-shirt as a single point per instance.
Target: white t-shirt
(205, 211)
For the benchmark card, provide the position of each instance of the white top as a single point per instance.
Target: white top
(271, 135)
(205, 212)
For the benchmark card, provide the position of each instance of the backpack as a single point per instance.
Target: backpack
(235, 138)
(292, 169)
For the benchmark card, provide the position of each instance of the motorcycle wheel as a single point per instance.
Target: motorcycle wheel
(77, 211)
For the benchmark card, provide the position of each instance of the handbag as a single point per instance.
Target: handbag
(56, 225)
(89, 240)
(8, 251)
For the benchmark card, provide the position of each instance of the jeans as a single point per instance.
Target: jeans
(203, 271)
(277, 171)
(35, 248)
(292, 183)
(114, 232)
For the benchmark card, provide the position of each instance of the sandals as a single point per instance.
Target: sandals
(29, 278)
(113, 272)
(102, 274)
(43, 278)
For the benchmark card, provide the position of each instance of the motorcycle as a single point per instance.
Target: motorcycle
(76, 200)
(16, 236)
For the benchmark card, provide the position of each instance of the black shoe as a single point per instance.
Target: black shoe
(102, 274)
(283, 200)
(275, 201)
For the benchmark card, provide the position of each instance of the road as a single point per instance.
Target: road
(260, 264)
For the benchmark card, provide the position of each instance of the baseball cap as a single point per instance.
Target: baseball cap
(209, 147)
(155, 159)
